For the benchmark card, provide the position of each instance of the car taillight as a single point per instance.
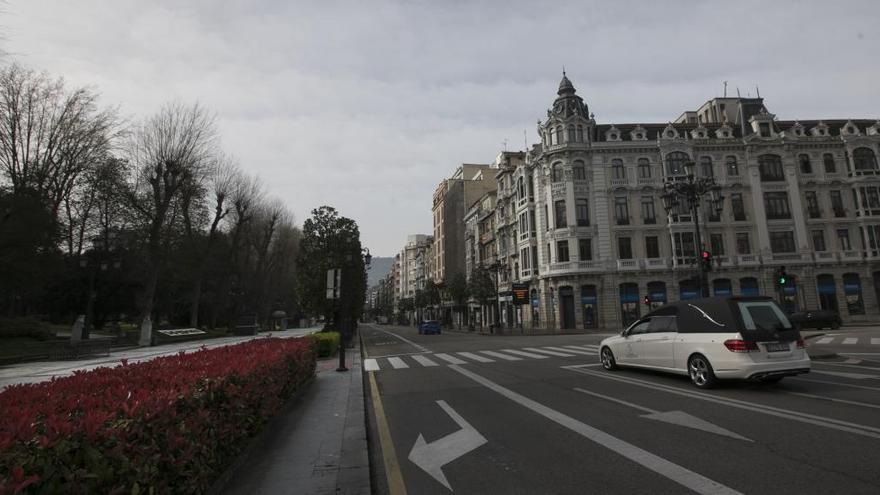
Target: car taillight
(737, 345)
(800, 343)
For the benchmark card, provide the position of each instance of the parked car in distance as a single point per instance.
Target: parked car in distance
(816, 318)
(710, 339)
(429, 327)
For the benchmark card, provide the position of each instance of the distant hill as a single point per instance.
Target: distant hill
(379, 267)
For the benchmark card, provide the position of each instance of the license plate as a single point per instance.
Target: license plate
(778, 347)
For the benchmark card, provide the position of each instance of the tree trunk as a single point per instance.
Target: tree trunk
(194, 303)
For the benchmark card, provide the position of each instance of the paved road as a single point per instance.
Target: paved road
(45, 370)
(536, 414)
(853, 342)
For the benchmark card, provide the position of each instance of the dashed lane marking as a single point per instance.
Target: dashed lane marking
(501, 356)
(450, 359)
(424, 361)
(552, 353)
(476, 357)
(526, 354)
(576, 351)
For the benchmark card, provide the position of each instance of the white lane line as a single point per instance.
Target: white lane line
(450, 359)
(659, 465)
(875, 341)
(410, 342)
(832, 399)
(583, 347)
(825, 340)
(836, 424)
(526, 354)
(371, 365)
(576, 351)
(424, 361)
(842, 374)
(476, 357)
(552, 353)
(850, 385)
(619, 401)
(850, 341)
(397, 363)
(501, 356)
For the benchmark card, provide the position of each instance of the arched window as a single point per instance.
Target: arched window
(864, 159)
(771, 168)
(521, 188)
(827, 289)
(571, 134)
(804, 161)
(629, 302)
(644, 168)
(675, 163)
(580, 134)
(852, 288)
(617, 169)
(559, 135)
(578, 170)
(722, 287)
(748, 286)
(590, 305)
(688, 289)
(732, 166)
(657, 294)
(557, 172)
(706, 166)
(828, 160)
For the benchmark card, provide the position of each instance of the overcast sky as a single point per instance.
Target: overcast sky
(366, 106)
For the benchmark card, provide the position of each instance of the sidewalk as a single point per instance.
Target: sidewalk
(317, 444)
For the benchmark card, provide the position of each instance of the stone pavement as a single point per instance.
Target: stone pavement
(317, 445)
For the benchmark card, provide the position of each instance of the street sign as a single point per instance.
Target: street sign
(334, 282)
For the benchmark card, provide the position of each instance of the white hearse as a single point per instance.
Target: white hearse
(712, 338)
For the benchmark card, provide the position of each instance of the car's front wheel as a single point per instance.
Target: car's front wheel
(701, 372)
(607, 358)
(835, 324)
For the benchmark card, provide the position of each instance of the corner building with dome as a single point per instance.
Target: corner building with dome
(580, 220)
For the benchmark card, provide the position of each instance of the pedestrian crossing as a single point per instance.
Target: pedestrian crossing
(847, 340)
(429, 360)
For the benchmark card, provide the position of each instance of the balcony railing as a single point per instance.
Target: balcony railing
(657, 263)
(628, 264)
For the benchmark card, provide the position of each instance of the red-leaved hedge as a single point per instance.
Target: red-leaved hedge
(170, 425)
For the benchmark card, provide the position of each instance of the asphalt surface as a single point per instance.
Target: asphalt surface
(561, 424)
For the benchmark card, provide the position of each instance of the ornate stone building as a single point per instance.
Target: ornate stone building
(592, 238)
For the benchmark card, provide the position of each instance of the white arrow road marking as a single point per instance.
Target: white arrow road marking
(679, 418)
(659, 465)
(433, 456)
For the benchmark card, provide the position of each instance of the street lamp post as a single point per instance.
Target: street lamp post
(689, 193)
(342, 308)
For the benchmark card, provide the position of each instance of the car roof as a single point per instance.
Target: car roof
(708, 314)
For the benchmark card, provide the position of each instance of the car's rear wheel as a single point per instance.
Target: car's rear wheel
(835, 325)
(607, 358)
(701, 372)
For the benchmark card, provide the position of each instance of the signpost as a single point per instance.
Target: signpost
(334, 291)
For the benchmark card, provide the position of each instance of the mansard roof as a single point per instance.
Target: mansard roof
(654, 130)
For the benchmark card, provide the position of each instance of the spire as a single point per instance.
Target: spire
(565, 86)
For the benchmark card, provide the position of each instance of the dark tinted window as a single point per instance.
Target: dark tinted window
(763, 315)
(640, 327)
(663, 324)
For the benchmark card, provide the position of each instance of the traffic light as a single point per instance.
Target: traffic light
(647, 300)
(706, 258)
(781, 277)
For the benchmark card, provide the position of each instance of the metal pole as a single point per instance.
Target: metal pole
(341, 323)
(704, 277)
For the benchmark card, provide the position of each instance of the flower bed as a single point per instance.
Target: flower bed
(170, 425)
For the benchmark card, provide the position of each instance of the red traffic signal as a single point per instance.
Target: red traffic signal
(648, 300)
(706, 255)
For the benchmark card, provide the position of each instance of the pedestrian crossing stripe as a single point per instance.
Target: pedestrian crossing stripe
(466, 357)
(846, 340)
(850, 340)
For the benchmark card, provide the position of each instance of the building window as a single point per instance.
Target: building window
(818, 240)
(804, 161)
(716, 242)
(776, 205)
(557, 172)
(546, 219)
(837, 204)
(531, 183)
(559, 135)
(585, 249)
(618, 172)
(864, 159)
(571, 134)
(652, 246)
(743, 246)
(559, 210)
(547, 253)
(870, 200)
(580, 134)
(782, 242)
(684, 247)
(533, 227)
(828, 160)
(675, 163)
(521, 188)
(644, 168)
(732, 166)
(771, 168)
(582, 211)
(579, 172)
(748, 286)
(852, 289)
(524, 256)
(843, 239)
(706, 166)
(827, 290)
(737, 207)
(621, 211)
(812, 204)
(524, 224)
(624, 248)
(562, 251)
(648, 215)
(764, 127)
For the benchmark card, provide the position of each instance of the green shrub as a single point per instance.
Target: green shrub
(326, 343)
(25, 327)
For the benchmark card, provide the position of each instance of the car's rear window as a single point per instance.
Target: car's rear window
(763, 315)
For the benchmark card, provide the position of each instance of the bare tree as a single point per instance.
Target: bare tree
(170, 151)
